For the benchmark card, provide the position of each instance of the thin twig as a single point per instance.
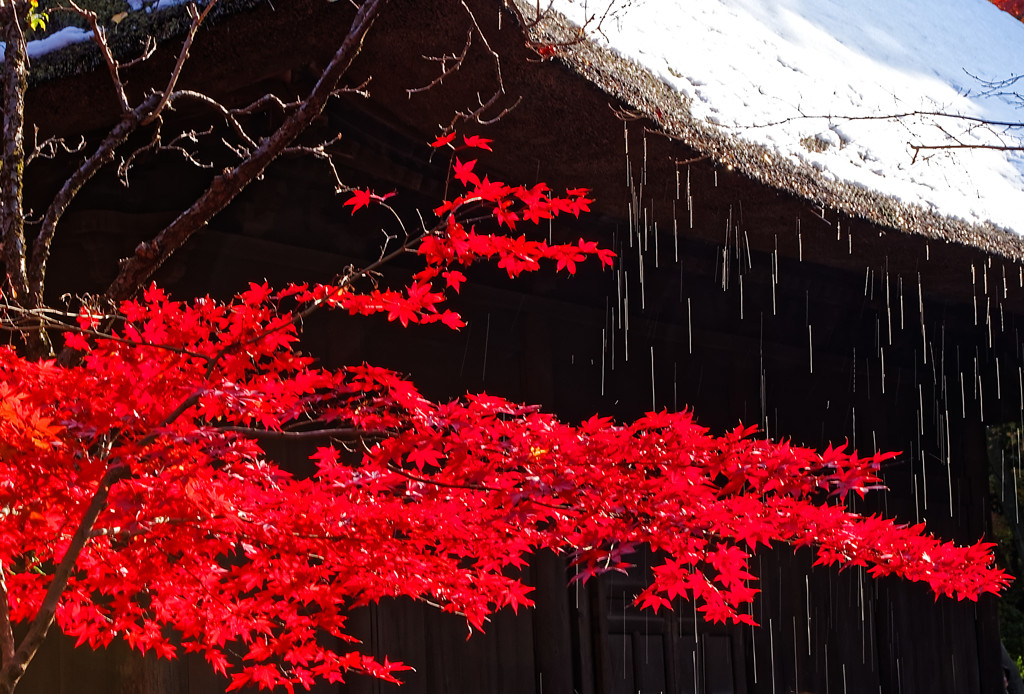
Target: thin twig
(225, 187)
(197, 19)
(99, 37)
(446, 71)
(343, 433)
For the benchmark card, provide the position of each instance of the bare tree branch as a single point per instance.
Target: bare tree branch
(51, 147)
(999, 148)
(342, 433)
(99, 37)
(14, 667)
(222, 190)
(6, 630)
(889, 116)
(446, 70)
(197, 20)
(129, 122)
(229, 115)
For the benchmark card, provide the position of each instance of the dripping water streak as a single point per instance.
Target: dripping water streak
(799, 242)
(899, 290)
(689, 331)
(487, 341)
(807, 588)
(675, 230)
(604, 351)
(810, 349)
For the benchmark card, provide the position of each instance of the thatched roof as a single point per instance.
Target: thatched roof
(635, 88)
(127, 30)
(653, 99)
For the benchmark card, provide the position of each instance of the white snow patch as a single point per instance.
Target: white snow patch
(58, 40)
(68, 35)
(867, 80)
(54, 42)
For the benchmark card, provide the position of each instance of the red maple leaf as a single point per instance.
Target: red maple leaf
(443, 140)
(477, 141)
(463, 172)
(360, 198)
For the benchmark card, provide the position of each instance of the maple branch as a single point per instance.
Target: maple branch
(476, 114)
(547, 49)
(6, 631)
(43, 317)
(342, 433)
(14, 667)
(446, 71)
(129, 123)
(48, 148)
(227, 114)
(150, 255)
(197, 19)
(343, 281)
(473, 487)
(99, 37)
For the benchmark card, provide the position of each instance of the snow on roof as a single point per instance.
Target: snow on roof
(69, 35)
(848, 88)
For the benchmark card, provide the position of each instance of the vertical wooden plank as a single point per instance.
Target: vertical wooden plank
(45, 672)
(602, 646)
(583, 637)
(976, 517)
(552, 637)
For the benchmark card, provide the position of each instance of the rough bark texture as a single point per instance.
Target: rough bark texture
(15, 81)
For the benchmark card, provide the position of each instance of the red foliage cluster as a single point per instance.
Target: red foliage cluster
(1014, 7)
(203, 545)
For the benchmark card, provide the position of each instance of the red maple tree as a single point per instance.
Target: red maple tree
(138, 504)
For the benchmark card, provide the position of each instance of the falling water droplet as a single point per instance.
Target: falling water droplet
(917, 508)
(689, 329)
(675, 386)
(810, 349)
(643, 285)
(796, 660)
(799, 242)
(888, 310)
(604, 351)
(675, 231)
(625, 315)
(899, 291)
(487, 341)
(881, 356)
(807, 593)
